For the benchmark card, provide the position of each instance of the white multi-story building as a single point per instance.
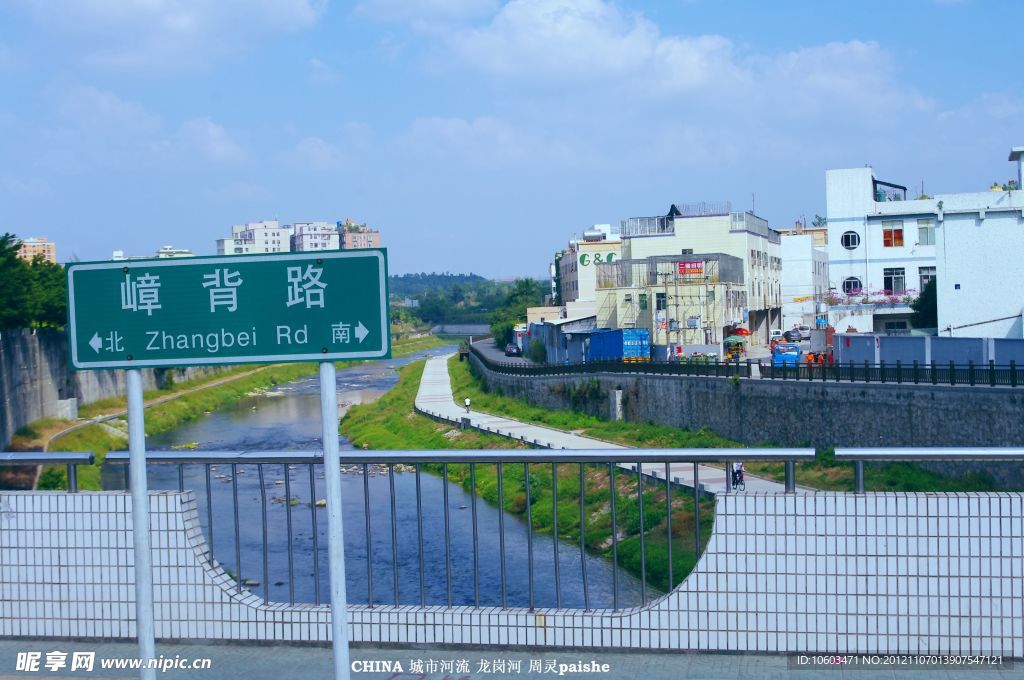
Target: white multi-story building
(884, 247)
(315, 236)
(267, 236)
(978, 244)
(577, 264)
(715, 228)
(163, 253)
(804, 279)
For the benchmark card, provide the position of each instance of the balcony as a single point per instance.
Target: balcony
(883, 192)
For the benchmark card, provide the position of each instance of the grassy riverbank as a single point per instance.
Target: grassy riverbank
(111, 436)
(823, 473)
(392, 423)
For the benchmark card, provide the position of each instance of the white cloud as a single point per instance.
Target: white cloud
(589, 40)
(320, 73)
(426, 15)
(210, 140)
(97, 128)
(168, 34)
(313, 153)
(482, 142)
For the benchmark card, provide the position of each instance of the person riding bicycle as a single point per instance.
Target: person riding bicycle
(467, 404)
(737, 473)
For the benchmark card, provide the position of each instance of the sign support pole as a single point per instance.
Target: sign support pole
(335, 529)
(140, 524)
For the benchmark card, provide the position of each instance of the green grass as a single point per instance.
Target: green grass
(392, 423)
(170, 414)
(824, 473)
(643, 435)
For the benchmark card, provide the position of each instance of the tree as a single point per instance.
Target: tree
(19, 303)
(819, 221)
(525, 293)
(926, 309)
(51, 289)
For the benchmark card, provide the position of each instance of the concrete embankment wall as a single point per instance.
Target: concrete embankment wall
(789, 413)
(36, 380)
(827, 572)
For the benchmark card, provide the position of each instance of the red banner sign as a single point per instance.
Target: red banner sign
(688, 268)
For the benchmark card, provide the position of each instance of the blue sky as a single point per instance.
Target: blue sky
(481, 135)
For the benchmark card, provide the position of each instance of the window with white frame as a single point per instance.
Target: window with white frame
(894, 280)
(925, 274)
(850, 240)
(926, 232)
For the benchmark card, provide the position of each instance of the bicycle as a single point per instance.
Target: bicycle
(738, 482)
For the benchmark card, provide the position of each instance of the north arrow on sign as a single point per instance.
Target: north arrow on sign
(96, 343)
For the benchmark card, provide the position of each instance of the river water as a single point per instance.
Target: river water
(288, 418)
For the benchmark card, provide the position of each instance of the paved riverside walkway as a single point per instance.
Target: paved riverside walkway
(282, 662)
(435, 398)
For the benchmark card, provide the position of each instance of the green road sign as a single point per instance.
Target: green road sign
(229, 310)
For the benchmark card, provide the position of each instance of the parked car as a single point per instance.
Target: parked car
(792, 335)
(775, 334)
(512, 350)
(805, 331)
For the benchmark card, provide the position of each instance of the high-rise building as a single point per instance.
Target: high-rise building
(315, 236)
(31, 247)
(355, 236)
(267, 236)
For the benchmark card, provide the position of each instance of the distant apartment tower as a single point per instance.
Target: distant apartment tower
(267, 236)
(31, 247)
(162, 254)
(355, 236)
(314, 236)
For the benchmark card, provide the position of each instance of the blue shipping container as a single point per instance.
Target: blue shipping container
(615, 345)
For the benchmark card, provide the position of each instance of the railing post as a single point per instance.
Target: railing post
(992, 372)
(72, 478)
(790, 476)
(1013, 373)
(852, 379)
(881, 371)
(749, 372)
(867, 372)
(728, 476)
(935, 373)
(917, 376)
(952, 372)
(858, 476)
(696, 512)
(899, 371)
(970, 372)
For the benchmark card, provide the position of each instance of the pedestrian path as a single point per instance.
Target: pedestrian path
(435, 399)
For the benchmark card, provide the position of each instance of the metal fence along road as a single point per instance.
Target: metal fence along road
(933, 373)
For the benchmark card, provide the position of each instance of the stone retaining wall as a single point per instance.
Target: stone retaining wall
(36, 380)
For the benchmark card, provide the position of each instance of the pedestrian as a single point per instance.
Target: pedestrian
(467, 404)
(737, 472)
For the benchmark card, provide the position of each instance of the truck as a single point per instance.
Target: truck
(787, 354)
(623, 344)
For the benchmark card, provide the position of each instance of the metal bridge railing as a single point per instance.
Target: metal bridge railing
(71, 459)
(689, 366)
(962, 454)
(648, 474)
